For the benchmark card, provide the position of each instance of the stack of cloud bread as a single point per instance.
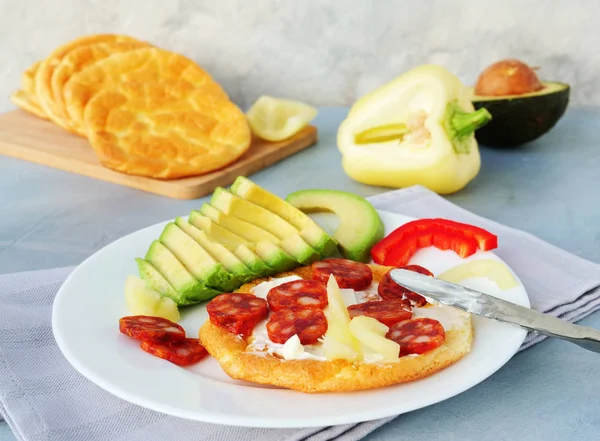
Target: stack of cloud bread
(146, 111)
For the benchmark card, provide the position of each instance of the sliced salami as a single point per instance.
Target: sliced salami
(347, 273)
(150, 328)
(298, 294)
(418, 335)
(182, 353)
(237, 313)
(389, 290)
(308, 324)
(388, 312)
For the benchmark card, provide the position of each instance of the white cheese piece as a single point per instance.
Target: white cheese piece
(349, 296)
(292, 349)
(262, 289)
(372, 357)
(450, 318)
(368, 295)
(262, 344)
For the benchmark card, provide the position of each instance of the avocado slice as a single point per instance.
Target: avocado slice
(254, 262)
(269, 253)
(233, 205)
(518, 119)
(264, 265)
(275, 256)
(247, 230)
(239, 271)
(230, 228)
(189, 289)
(156, 280)
(360, 225)
(249, 213)
(309, 229)
(297, 247)
(196, 259)
(222, 235)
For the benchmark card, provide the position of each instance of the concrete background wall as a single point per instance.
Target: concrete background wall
(326, 52)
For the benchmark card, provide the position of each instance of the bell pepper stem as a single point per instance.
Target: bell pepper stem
(465, 123)
(460, 125)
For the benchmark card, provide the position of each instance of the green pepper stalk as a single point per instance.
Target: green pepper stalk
(460, 125)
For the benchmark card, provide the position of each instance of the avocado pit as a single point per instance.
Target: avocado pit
(507, 77)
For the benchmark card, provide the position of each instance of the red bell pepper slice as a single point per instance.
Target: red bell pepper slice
(401, 253)
(402, 243)
(485, 240)
(462, 245)
(440, 238)
(380, 250)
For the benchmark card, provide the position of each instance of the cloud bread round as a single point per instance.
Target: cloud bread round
(328, 376)
(43, 76)
(77, 60)
(28, 80)
(23, 100)
(147, 65)
(166, 130)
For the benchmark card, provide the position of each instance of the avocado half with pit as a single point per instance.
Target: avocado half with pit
(523, 115)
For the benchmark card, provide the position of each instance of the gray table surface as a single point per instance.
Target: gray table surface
(50, 218)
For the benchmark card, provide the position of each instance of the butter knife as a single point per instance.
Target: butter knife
(491, 307)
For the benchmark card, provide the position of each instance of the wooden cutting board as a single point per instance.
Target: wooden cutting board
(27, 137)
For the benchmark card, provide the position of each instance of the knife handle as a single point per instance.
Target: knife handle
(584, 336)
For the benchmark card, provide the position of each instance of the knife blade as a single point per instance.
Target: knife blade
(485, 305)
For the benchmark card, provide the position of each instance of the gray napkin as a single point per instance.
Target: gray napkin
(43, 398)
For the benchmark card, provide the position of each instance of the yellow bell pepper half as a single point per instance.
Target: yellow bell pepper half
(417, 129)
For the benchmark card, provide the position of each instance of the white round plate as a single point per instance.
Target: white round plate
(85, 325)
